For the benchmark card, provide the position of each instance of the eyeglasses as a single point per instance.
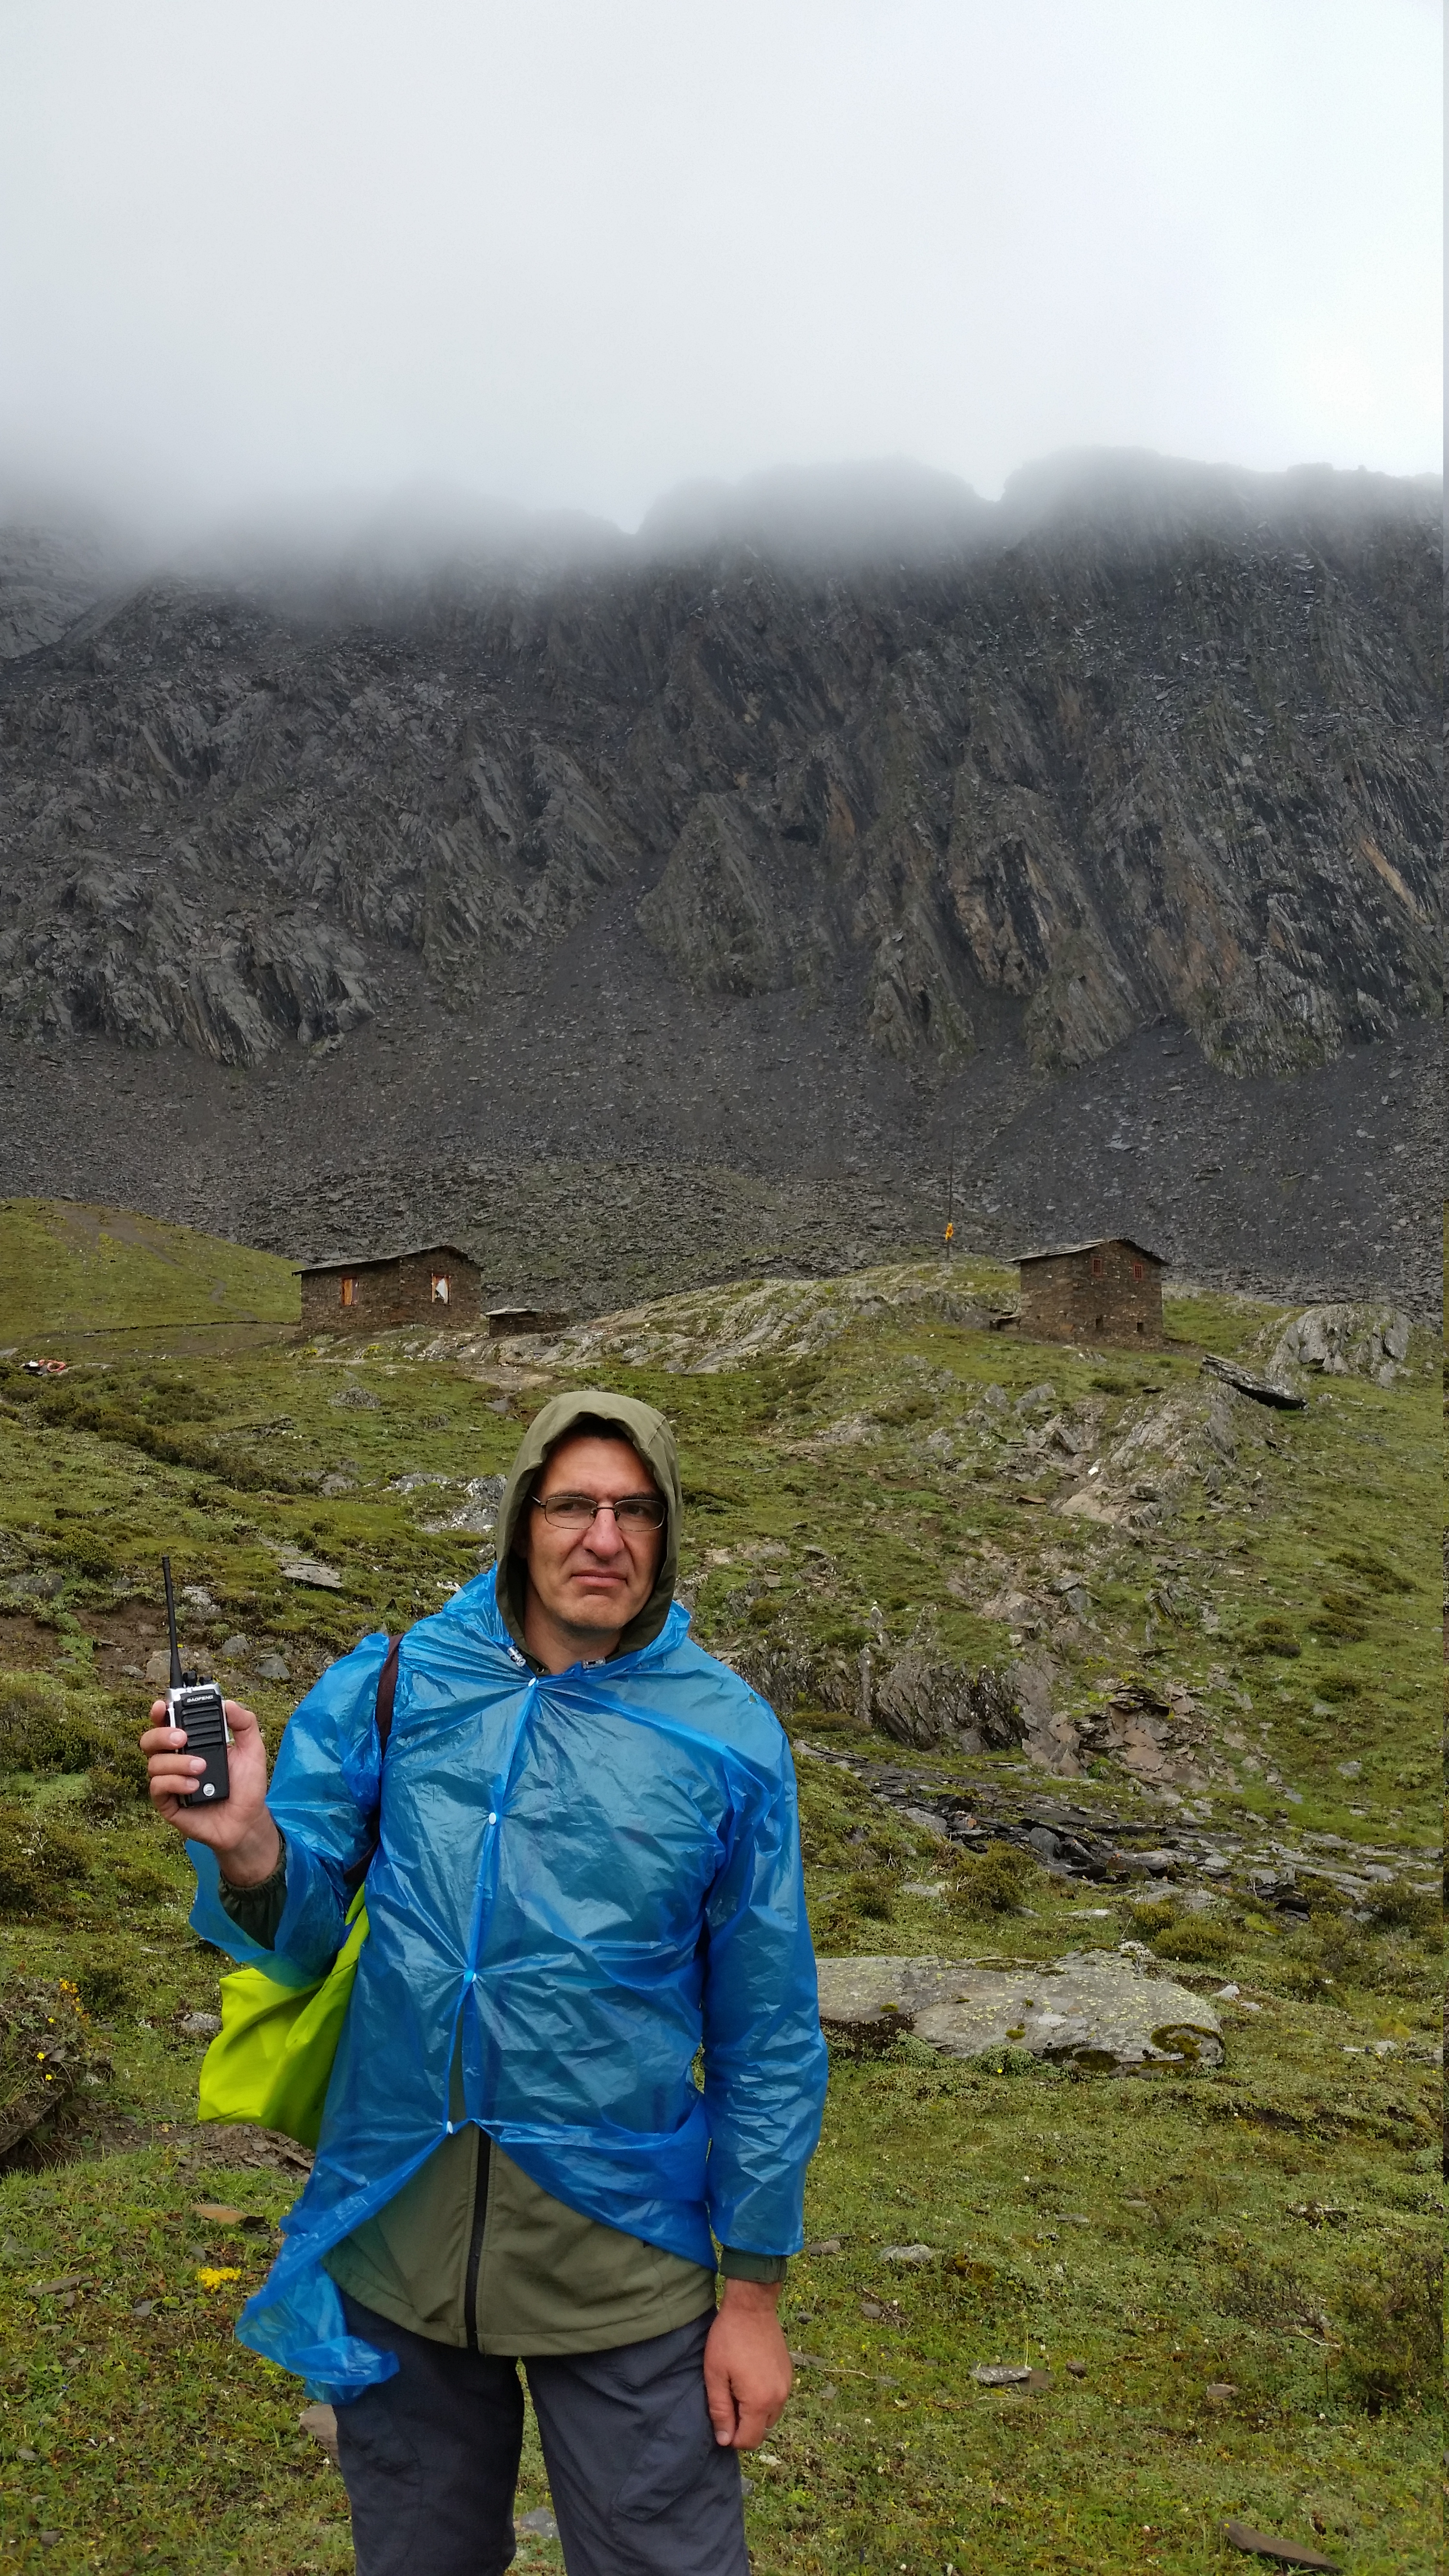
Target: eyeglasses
(632, 1512)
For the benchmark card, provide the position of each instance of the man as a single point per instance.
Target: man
(588, 1872)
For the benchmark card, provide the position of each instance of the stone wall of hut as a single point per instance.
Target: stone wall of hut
(1110, 1293)
(385, 1293)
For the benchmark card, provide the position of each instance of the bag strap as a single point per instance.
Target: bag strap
(386, 1694)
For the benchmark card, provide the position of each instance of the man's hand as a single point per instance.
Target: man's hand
(240, 1832)
(747, 2374)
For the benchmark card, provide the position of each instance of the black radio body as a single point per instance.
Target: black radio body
(199, 1708)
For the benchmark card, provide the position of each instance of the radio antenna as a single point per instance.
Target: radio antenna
(176, 1677)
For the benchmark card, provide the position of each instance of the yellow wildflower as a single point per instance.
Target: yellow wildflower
(212, 2275)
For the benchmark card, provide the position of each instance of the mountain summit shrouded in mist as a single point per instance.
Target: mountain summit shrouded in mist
(57, 558)
(783, 831)
(1142, 737)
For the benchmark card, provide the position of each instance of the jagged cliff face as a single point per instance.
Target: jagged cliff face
(1106, 764)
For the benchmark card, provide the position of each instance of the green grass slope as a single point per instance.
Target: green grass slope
(865, 1467)
(69, 1268)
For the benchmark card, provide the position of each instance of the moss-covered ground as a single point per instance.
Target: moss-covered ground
(1267, 2228)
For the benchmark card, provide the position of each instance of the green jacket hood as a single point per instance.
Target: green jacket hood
(648, 1433)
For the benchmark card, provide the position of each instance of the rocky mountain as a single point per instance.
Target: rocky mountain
(827, 824)
(49, 577)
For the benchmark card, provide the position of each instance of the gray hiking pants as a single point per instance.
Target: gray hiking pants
(640, 2486)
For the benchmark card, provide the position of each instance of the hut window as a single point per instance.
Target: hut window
(440, 1287)
(349, 1291)
(1136, 1269)
(1097, 1265)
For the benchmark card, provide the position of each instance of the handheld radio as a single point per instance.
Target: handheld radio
(197, 1706)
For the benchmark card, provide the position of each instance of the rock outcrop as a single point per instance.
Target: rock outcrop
(1343, 1341)
(50, 576)
(924, 1701)
(1094, 2009)
(137, 953)
(661, 909)
(1121, 749)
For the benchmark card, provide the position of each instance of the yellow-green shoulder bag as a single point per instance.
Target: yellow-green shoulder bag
(271, 2061)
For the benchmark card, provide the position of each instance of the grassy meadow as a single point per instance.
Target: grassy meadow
(73, 1269)
(1225, 2280)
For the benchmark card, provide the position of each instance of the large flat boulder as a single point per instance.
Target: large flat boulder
(1096, 2008)
(877, 1997)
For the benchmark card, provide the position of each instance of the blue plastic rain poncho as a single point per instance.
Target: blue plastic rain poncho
(582, 1879)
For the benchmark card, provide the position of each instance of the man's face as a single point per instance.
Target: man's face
(592, 1580)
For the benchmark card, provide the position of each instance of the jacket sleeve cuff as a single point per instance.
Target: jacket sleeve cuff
(258, 1910)
(305, 1940)
(737, 2265)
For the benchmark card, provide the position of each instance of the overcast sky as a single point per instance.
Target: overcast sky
(575, 251)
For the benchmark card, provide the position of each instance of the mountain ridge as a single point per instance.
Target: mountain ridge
(763, 855)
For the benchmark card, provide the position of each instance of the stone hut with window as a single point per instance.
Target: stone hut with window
(432, 1284)
(1092, 1292)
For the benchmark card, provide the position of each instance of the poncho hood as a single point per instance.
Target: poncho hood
(647, 1432)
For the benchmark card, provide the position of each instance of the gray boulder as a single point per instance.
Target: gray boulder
(1095, 2008)
(879, 1996)
(1344, 1341)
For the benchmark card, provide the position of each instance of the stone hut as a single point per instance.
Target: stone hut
(433, 1283)
(1092, 1292)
